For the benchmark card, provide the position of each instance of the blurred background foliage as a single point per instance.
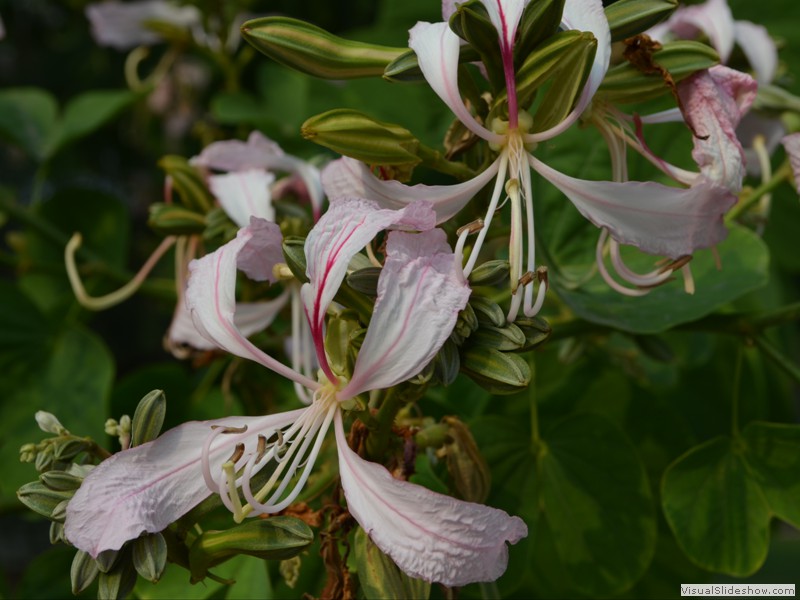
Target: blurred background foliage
(619, 393)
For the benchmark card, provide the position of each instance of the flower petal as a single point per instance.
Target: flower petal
(211, 297)
(420, 292)
(344, 230)
(505, 16)
(249, 318)
(713, 18)
(347, 177)
(236, 155)
(244, 194)
(148, 487)
(428, 535)
(792, 145)
(714, 102)
(584, 15)
(657, 219)
(437, 49)
(759, 48)
(124, 25)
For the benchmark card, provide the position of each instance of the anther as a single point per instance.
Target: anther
(676, 264)
(238, 453)
(261, 448)
(526, 279)
(542, 277)
(473, 227)
(225, 429)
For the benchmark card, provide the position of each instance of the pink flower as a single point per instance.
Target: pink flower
(420, 292)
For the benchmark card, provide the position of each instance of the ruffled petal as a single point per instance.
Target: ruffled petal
(428, 535)
(714, 102)
(759, 48)
(657, 219)
(244, 194)
(437, 49)
(347, 177)
(236, 155)
(124, 25)
(344, 230)
(211, 299)
(792, 145)
(420, 293)
(584, 15)
(148, 487)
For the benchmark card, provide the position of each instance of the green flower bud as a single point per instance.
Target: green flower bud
(506, 338)
(354, 134)
(627, 18)
(487, 312)
(465, 463)
(492, 272)
(83, 571)
(148, 418)
(188, 183)
(171, 219)
(495, 371)
(41, 499)
(309, 49)
(150, 556)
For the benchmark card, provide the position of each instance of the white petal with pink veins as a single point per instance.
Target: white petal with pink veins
(428, 535)
(244, 194)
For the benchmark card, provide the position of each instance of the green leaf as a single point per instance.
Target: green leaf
(720, 497)
(380, 578)
(88, 112)
(744, 258)
(28, 118)
(584, 483)
(593, 484)
(72, 382)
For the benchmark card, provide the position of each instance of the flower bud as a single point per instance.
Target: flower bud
(171, 219)
(354, 134)
(495, 371)
(627, 83)
(83, 571)
(465, 463)
(188, 183)
(627, 18)
(312, 50)
(148, 418)
(49, 424)
(150, 556)
(41, 499)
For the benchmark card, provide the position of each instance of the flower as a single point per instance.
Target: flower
(126, 25)
(420, 292)
(655, 218)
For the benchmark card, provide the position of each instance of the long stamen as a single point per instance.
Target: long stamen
(123, 293)
(760, 148)
(649, 279)
(298, 342)
(463, 234)
(487, 220)
(601, 266)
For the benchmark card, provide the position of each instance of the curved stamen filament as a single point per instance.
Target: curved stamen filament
(120, 295)
(299, 343)
(601, 266)
(487, 220)
(647, 280)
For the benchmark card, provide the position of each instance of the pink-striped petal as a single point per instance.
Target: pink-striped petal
(505, 16)
(437, 49)
(211, 297)
(244, 194)
(147, 488)
(420, 293)
(428, 535)
(344, 230)
(792, 145)
(759, 48)
(657, 219)
(347, 177)
(584, 15)
(236, 155)
(714, 102)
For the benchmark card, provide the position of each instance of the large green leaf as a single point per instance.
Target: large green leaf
(720, 497)
(28, 118)
(86, 113)
(589, 494)
(744, 258)
(72, 381)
